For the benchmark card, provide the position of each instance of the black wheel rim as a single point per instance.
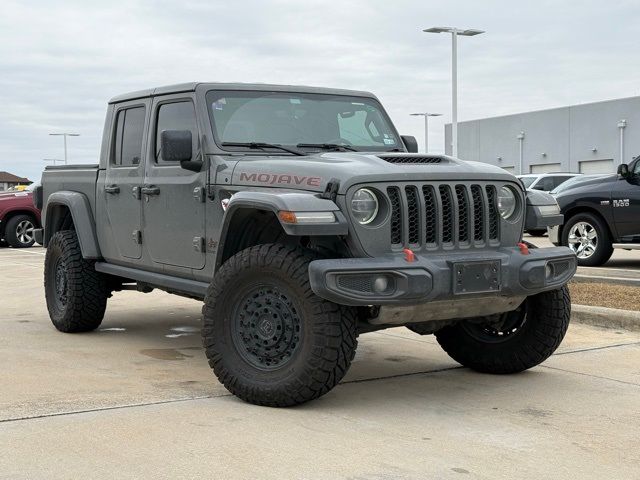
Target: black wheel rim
(266, 328)
(60, 283)
(498, 328)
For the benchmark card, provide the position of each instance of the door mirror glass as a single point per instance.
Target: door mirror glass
(623, 170)
(175, 145)
(411, 143)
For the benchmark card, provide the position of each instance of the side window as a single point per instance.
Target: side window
(545, 184)
(176, 116)
(558, 180)
(128, 142)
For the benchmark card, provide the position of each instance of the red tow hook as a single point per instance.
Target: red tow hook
(524, 249)
(409, 256)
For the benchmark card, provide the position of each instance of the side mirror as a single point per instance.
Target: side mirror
(623, 170)
(176, 146)
(411, 143)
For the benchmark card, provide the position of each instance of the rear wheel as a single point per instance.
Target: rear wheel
(269, 339)
(19, 231)
(510, 342)
(589, 238)
(76, 294)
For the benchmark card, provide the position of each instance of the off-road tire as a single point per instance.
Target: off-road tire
(76, 294)
(604, 248)
(11, 234)
(547, 320)
(327, 335)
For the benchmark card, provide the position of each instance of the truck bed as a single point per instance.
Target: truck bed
(74, 178)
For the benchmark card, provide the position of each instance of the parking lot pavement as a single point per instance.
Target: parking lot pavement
(136, 399)
(620, 260)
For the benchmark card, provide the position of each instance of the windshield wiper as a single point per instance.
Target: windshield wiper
(327, 146)
(262, 146)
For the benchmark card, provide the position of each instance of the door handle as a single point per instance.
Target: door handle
(112, 189)
(150, 190)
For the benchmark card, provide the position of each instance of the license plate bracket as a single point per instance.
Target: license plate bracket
(476, 277)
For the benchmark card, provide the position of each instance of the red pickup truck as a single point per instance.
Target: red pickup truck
(18, 218)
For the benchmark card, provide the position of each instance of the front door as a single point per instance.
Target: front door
(173, 198)
(123, 178)
(625, 203)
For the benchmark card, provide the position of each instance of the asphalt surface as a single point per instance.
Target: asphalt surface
(622, 268)
(136, 399)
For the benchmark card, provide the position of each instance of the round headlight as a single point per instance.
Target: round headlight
(364, 206)
(507, 202)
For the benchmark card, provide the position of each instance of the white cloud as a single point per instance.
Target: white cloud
(60, 62)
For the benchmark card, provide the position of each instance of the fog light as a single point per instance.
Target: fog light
(548, 271)
(381, 284)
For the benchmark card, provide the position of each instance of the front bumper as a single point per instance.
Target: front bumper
(452, 277)
(554, 234)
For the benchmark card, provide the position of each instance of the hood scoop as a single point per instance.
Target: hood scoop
(413, 159)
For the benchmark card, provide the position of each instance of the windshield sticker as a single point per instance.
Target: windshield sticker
(295, 101)
(389, 141)
(219, 104)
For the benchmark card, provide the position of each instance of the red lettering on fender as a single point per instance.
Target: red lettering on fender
(285, 179)
(244, 177)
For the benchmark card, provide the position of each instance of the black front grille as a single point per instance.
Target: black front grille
(357, 283)
(396, 215)
(411, 159)
(432, 216)
(447, 214)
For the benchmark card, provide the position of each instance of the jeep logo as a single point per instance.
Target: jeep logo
(284, 179)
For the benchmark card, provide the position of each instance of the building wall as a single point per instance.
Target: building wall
(576, 138)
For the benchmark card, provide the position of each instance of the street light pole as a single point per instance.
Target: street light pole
(426, 116)
(469, 32)
(65, 135)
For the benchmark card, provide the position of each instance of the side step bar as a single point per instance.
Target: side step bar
(627, 246)
(158, 280)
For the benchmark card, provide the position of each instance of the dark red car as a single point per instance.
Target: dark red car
(18, 218)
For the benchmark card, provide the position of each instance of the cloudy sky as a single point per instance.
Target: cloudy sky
(60, 61)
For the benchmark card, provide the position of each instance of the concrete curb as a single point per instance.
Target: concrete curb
(606, 317)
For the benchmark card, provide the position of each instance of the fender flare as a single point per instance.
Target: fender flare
(85, 226)
(279, 201)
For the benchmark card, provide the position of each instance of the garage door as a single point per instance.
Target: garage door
(510, 169)
(597, 166)
(545, 168)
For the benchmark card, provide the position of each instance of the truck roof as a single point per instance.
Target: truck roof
(191, 86)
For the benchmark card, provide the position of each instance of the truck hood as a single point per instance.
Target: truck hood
(313, 172)
(13, 195)
(596, 188)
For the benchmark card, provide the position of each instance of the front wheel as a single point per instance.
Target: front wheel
(589, 238)
(19, 231)
(514, 341)
(269, 339)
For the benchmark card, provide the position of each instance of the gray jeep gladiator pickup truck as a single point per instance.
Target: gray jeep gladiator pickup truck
(302, 219)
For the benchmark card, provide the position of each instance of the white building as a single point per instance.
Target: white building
(588, 138)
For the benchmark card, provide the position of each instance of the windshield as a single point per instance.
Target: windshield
(302, 120)
(528, 181)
